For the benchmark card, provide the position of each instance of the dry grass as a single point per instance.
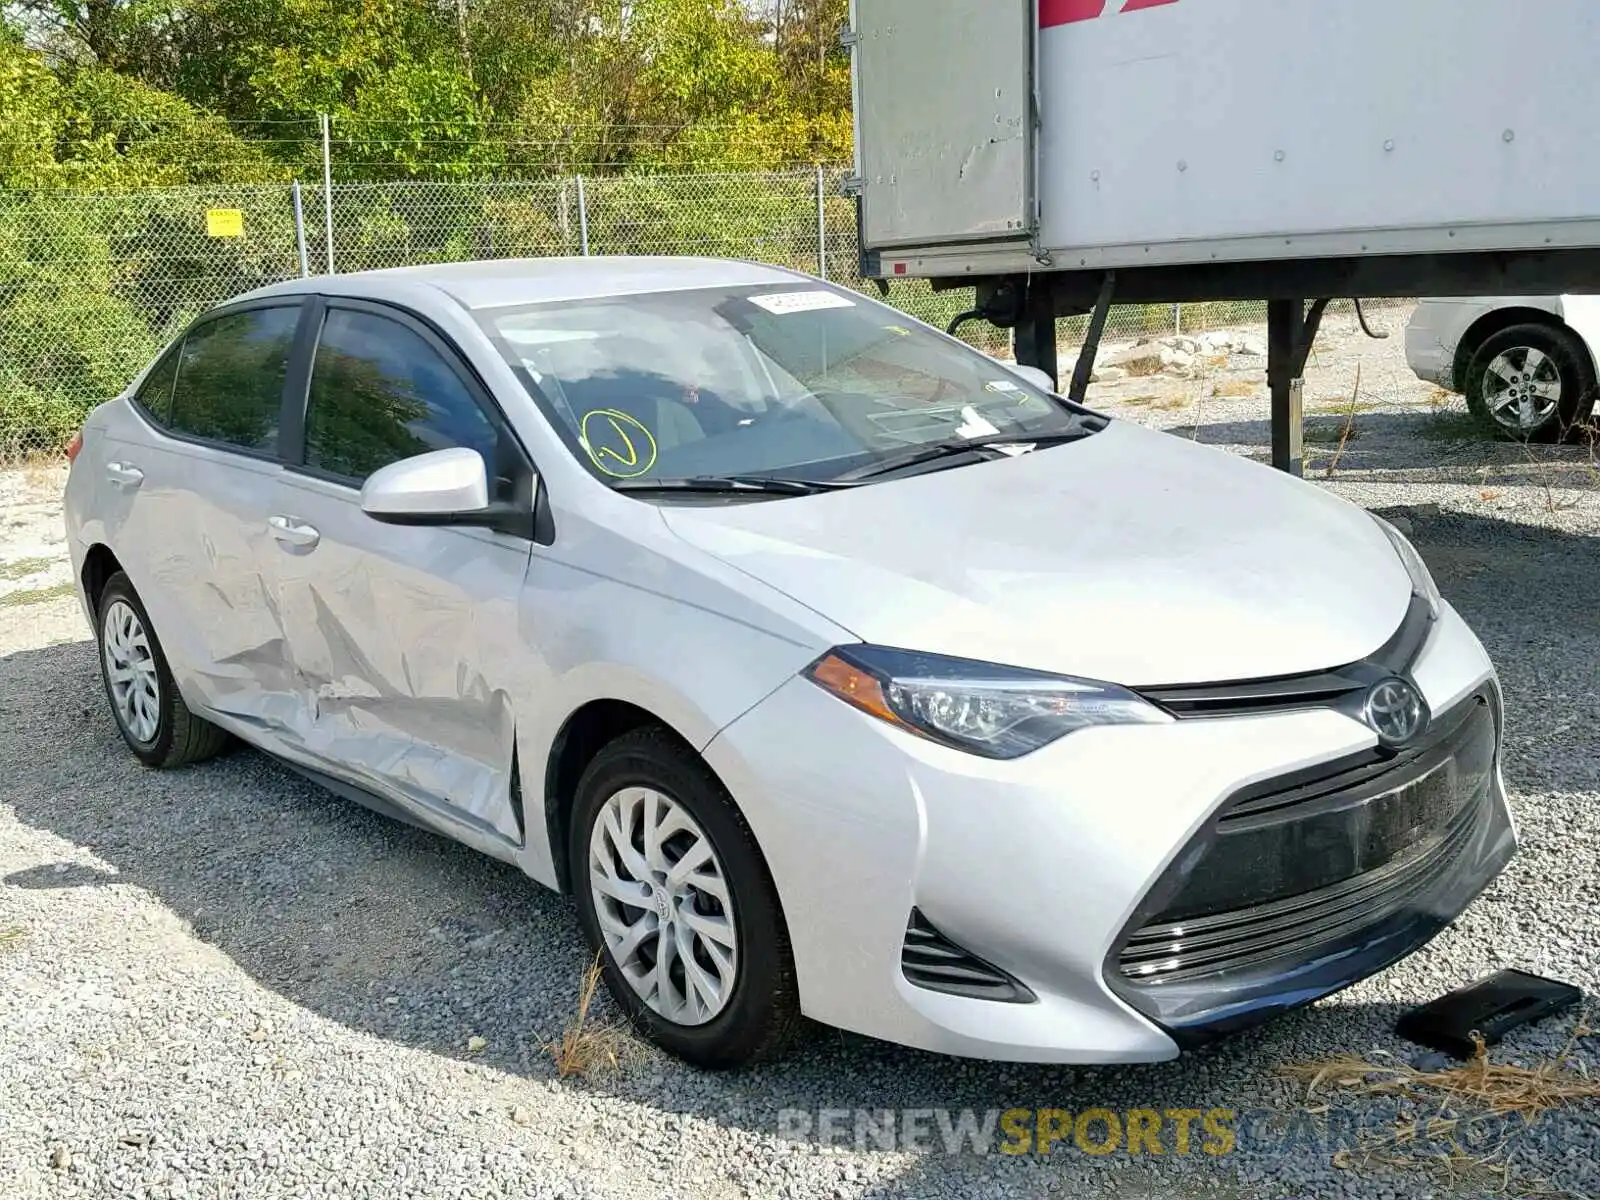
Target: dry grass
(587, 1047)
(1170, 403)
(46, 473)
(1142, 401)
(1341, 407)
(21, 568)
(1500, 1088)
(1235, 389)
(1349, 430)
(36, 595)
(1463, 1099)
(12, 937)
(1333, 436)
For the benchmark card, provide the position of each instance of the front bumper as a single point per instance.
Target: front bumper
(1044, 867)
(1309, 882)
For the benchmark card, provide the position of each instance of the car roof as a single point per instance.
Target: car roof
(500, 283)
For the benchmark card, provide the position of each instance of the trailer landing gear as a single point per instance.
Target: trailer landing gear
(1030, 306)
(1291, 329)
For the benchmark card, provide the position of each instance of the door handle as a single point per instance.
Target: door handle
(124, 474)
(294, 533)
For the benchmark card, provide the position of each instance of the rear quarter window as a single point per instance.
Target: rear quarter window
(155, 393)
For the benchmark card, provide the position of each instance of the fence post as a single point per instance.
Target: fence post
(822, 229)
(1177, 319)
(327, 191)
(583, 219)
(300, 229)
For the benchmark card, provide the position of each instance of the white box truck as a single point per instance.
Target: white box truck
(1059, 154)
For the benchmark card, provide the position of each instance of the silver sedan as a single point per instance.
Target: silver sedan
(833, 667)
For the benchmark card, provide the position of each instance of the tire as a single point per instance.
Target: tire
(1544, 404)
(757, 1011)
(156, 724)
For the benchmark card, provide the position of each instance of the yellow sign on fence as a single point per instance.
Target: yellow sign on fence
(224, 222)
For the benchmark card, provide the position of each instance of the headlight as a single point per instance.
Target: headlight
(998, 712)
(1421, 578)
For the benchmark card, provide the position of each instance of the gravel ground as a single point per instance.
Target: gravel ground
(223, 982)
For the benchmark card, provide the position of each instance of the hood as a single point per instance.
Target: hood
(1131, 557)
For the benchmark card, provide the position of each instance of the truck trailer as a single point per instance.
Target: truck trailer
(1059, 155)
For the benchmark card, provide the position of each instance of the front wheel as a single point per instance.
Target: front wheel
(151, 715)
(673, 893)
(1533, 383)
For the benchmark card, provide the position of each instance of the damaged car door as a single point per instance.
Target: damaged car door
(403, 639)
(185, 499)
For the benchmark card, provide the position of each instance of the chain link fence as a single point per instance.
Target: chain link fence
(92, 285)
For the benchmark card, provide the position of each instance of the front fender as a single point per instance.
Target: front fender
(690, 664)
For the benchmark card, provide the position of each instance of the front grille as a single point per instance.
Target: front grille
(1255, 696)
(931, 960)
(1354, 779)
(1313, 857)
(1339, 687)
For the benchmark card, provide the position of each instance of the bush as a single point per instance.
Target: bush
(33, 422)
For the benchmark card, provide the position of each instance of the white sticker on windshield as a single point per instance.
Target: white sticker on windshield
(783, 303)
(973, 424)
(1001, 385)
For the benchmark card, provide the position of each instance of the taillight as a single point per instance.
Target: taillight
(75, 445)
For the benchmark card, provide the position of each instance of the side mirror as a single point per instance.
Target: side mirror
(1033, 375)
(443, 487)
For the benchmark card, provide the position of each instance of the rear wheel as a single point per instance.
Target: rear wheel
(1532, 382)
(153, 719)
(674, 895)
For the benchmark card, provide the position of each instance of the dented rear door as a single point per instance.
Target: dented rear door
(188, 472)
(403, 640)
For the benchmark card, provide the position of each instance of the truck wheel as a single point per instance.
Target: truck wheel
(153, 719)
(674, 895)
(1533, 383)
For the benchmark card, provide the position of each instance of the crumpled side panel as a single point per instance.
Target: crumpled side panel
(402, 642)
(194, 539)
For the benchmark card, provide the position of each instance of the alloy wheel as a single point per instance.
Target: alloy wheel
(1521, 388)
(663, 905)
(131, 671)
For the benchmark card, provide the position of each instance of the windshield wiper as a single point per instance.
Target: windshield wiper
(734, 485)
(933, 451)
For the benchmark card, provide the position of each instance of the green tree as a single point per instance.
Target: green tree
(653, 84)
(120, 132)
(30, 98)
(135, 37)
(91, 127)
(393, 75)
(816, 74)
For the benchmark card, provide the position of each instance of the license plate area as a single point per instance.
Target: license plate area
(1272, 853)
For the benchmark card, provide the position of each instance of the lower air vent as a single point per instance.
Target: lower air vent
(932, 961)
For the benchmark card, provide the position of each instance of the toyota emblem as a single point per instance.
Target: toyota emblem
(1396, 711)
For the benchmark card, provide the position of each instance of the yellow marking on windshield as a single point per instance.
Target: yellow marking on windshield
(618, 444)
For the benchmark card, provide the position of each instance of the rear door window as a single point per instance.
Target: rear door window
(381, 393)
(230, 378)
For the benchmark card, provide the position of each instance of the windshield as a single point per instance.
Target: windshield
(800, 381)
